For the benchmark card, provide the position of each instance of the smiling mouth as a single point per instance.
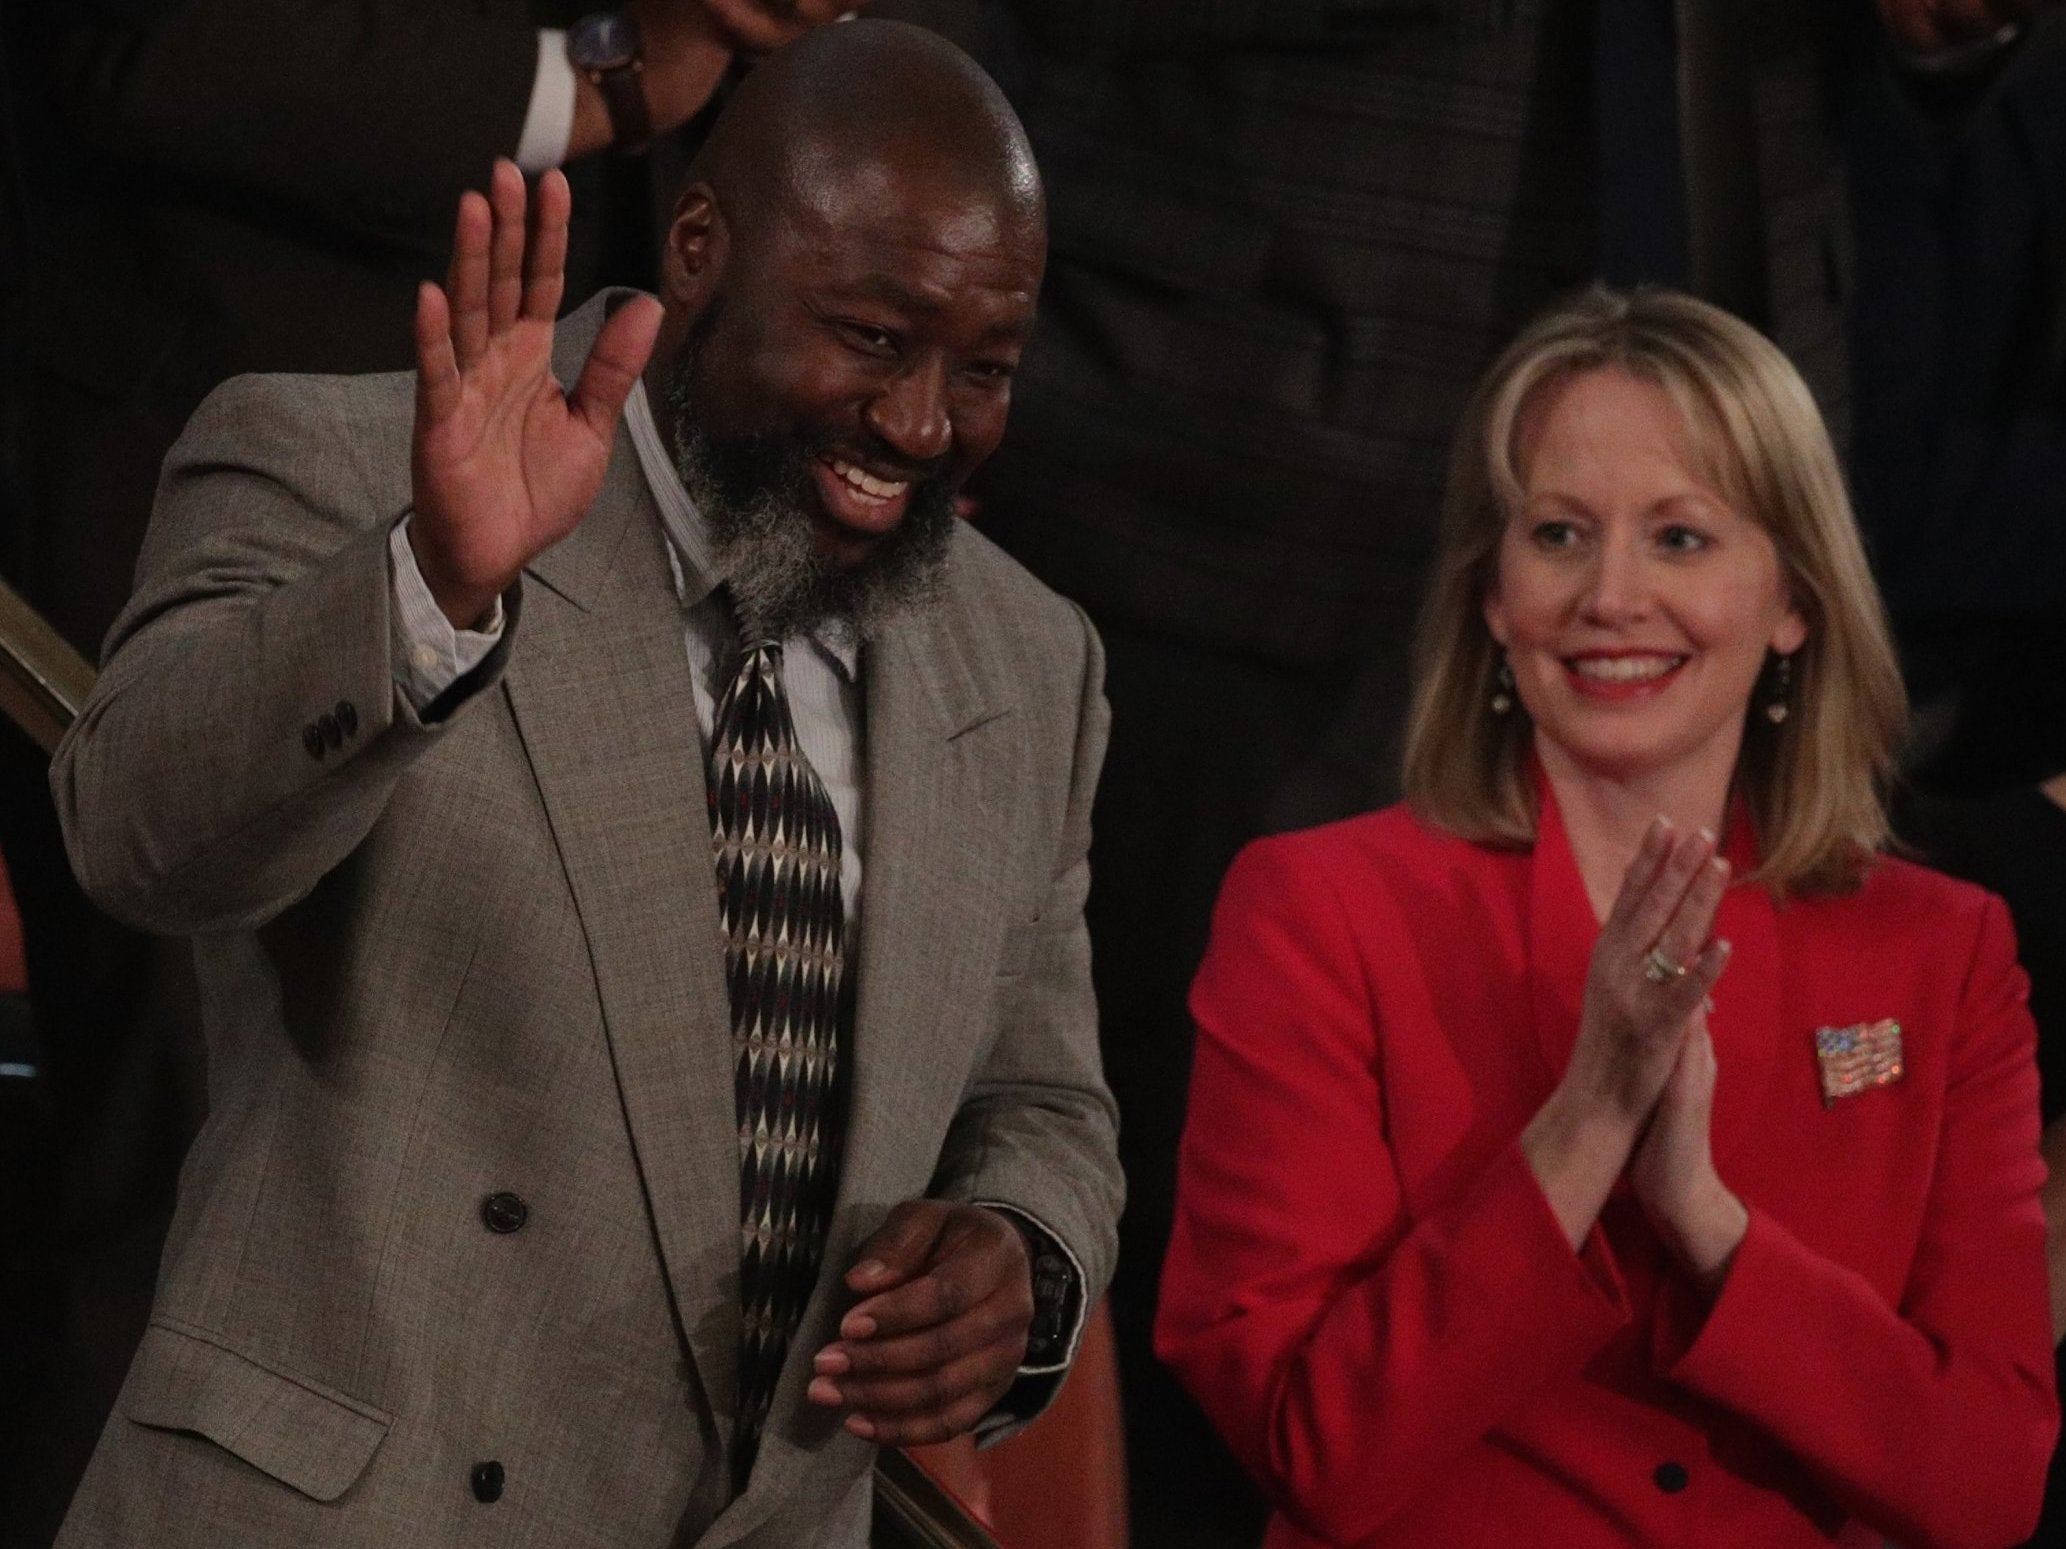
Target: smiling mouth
(1625, 669)
(864, 485)
(1623, 675)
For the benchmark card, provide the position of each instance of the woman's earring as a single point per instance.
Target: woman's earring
(1502, 688)
(1776, 707)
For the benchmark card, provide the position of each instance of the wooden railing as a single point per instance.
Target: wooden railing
(43, 685)
(43, 681)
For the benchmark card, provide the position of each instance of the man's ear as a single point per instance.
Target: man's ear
(693, 255)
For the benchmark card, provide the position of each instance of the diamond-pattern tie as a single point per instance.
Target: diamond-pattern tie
(777, 842)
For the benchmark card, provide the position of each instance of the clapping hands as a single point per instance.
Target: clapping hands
(1638, 1093)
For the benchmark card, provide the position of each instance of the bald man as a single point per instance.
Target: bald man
(634, 843)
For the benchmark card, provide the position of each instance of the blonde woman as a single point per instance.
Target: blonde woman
(1611, 1145)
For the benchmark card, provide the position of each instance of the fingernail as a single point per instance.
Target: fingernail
(857, 1327)
(860, 1427)
(1707, 834)
(821, 1392)
(1724, 948)
(831, 1360)
(871, 1268)
(1660, 824)
(1721, 867)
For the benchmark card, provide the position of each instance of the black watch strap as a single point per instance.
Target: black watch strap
(1055, 1296)
(606, 48)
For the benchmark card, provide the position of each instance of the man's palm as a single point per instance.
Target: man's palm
(504, 464)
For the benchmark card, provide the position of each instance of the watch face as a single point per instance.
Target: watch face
(608, 40)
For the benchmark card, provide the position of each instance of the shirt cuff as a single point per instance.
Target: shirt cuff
(1059, 1315)
(549, 120)
(429, 654)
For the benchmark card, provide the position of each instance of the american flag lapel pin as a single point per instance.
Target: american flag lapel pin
(1857, 1058)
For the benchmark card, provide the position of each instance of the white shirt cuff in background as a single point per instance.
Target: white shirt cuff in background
(549, 120)
(429, 654)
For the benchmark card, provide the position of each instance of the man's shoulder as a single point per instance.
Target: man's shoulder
(286, 410)
(1000, 594)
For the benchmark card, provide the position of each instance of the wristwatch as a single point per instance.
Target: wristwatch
(605, 47)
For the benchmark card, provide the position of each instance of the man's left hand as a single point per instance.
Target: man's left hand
(940, 1331)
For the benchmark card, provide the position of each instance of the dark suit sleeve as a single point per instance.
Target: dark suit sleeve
(1932, 1420)
(371, 116)
(1203, 26)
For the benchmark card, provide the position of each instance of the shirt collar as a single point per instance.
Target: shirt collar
(690, 549)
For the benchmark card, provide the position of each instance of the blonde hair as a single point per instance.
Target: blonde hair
(1815, 782)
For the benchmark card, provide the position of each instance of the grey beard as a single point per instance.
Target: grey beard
(754, 494)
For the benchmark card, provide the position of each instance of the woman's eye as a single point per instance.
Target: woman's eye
(1554, 535)
(1680, 539)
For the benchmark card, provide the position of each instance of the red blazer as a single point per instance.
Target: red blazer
(1367, 1291)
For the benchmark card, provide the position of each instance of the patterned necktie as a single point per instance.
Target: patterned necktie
(777, 840)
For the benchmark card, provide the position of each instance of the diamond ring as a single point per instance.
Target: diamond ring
(1658, 968)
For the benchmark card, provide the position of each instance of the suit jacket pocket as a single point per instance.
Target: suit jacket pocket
(305, 1435)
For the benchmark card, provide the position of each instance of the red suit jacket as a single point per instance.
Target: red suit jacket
(1367, 1291)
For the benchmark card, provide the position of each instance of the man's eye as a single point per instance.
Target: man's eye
(992, 371)
(867, 338)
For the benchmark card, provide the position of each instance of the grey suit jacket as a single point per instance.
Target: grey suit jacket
(480, 954)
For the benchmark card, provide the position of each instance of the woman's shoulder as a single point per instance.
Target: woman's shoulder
(1360, 863)
(1386, 840)
(1900, 900)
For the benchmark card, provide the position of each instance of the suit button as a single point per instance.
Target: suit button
(333, 734)
(504, 1213)
(348, 717)
(487, 1482)
(1670, 1477)
(312, 739)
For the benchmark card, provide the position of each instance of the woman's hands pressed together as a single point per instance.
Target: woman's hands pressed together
(1640, 1083)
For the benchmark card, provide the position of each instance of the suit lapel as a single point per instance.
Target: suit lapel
(599, 684)
(934, 807)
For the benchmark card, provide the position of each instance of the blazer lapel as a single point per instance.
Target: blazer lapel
(933, 805)
(599, 684)
(1749, 1038)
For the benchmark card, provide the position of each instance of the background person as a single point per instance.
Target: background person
(1487, 1225)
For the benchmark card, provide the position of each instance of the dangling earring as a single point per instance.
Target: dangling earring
(1502, 688)
(1776, 707)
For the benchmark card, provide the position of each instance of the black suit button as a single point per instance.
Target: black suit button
(331, 733)
(348, 717)
(487, 1482)
(1670, 1477)
(504, 1213)
(312, 739)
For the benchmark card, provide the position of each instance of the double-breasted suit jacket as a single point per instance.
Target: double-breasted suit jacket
(1369, 1293)
(456, 1256)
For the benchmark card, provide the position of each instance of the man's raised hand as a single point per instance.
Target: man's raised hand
(503, 463)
